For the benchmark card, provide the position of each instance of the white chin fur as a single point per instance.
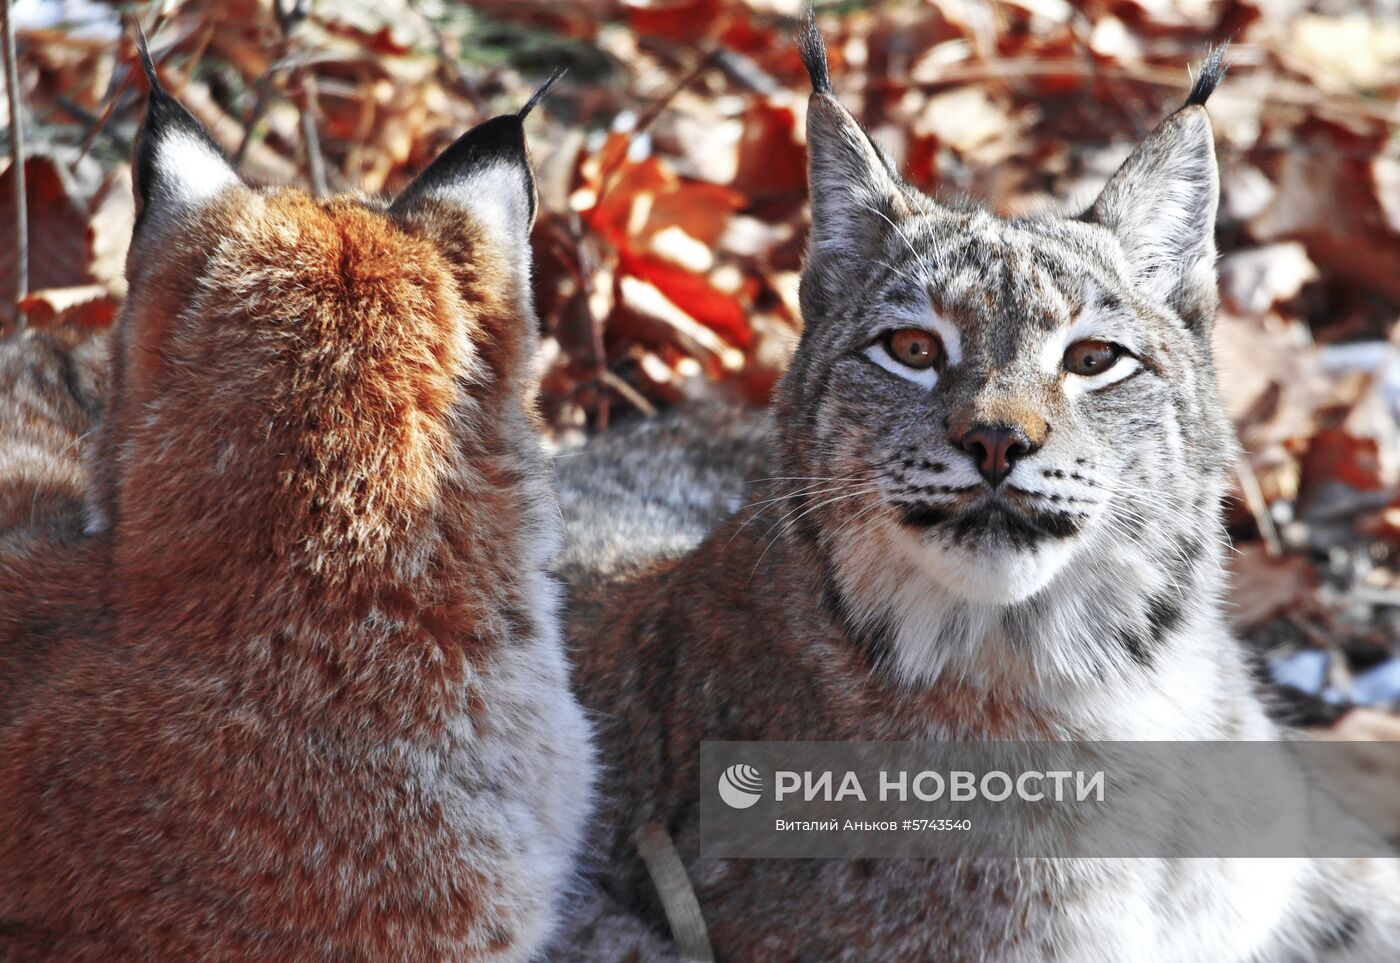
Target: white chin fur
(990, 575)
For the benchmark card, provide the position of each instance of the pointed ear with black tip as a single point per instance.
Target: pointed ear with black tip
(857, 198)
(486, 174)
(177, 164)
(1161, 204)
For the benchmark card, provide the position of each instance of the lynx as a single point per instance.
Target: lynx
(991, 511)
(292, 687)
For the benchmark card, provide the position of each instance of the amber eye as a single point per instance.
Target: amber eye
(1089, 358)
(914, 348)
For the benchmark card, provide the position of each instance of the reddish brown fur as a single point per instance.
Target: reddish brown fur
(314, 469)
(689, 652)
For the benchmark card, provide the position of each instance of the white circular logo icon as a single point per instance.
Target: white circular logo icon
(740, 786)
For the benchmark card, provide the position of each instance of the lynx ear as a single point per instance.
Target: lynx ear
(856, 196)
(486, 173)
(177, 163)
(1161, 204)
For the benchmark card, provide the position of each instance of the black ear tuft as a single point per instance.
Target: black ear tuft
(176, 159)
(1213, 71)
(813, 48)
(147, 64)
(540, 94)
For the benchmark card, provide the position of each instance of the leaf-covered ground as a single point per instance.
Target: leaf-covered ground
(673, 209)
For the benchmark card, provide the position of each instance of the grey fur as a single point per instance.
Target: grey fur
(649, 491)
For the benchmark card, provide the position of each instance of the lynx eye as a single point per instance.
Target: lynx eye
(915, 348)
(1090, 358)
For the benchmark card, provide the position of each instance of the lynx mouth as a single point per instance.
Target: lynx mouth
(991, 520)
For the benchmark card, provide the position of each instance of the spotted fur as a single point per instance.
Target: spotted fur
(297, 692)
(879, 586)
(53, 384)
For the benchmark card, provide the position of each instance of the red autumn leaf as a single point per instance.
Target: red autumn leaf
(693, 293)
(677, 20)
(772, 159)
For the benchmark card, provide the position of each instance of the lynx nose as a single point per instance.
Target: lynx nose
(995, 449)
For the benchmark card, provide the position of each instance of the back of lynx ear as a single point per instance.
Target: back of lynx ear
(1213, 70)
(176, 162)
(813, 50)
(486, 172)
(1162, 204)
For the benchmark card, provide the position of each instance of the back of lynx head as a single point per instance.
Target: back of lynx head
(296, 378)
(1009, 429)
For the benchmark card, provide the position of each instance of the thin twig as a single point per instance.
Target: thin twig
(311, 140)
(97, 126)
(303, 87)
(300, 91)
(252, 118)
(21, 245)
(587, 264)
(1258, 506)
(637, 399)
(449, 64)
(97, 123)
(673, 887)
(608, 178)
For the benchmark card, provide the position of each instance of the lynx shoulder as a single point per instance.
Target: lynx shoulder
(990, 508)
(314, 703)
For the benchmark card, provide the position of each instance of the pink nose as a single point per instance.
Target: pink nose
(995, 449)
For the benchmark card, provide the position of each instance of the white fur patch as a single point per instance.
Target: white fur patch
(498, 198)
(945, 329)
(191, 171)
(1076, 384)
(998, 576)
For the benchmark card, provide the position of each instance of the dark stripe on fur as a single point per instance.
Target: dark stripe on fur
(1138, 646)
(1023, 531)
(1340, 934)
(873, 641)
(1164, 614)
